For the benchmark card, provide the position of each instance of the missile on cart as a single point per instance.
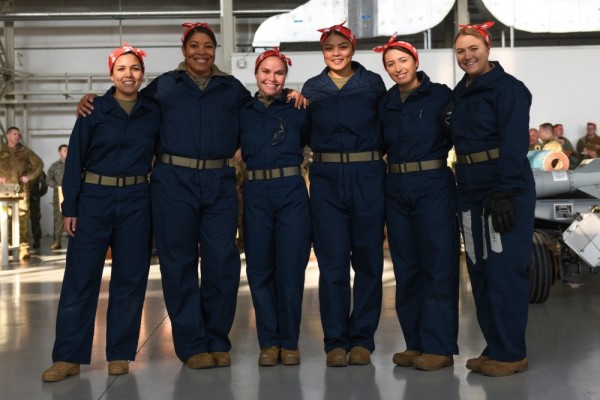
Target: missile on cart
(585, 178)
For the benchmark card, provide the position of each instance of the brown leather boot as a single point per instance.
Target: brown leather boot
(118, 367)
(359, 356)
(200, 361)
(337, 358)
(406, 357)
(501, 368)
(24, 251)
(269, 356)
(222, 358)
(290, 357)
(432, 362)
(59, 371)
(474, 364)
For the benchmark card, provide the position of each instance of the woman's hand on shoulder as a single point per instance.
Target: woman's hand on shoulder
(299, 100)
(85, 107)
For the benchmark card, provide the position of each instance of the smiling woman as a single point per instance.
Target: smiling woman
(194, 202)
(270, 71)
(127, 74)
(107, 202)
(199, 44)
(276, 211)
(496, 198)
(420, 210)
(346, 197)
(337, 53)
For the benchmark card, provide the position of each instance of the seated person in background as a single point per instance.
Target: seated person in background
(534, 139)
(547, 137)
(589, 144)
(567, 147)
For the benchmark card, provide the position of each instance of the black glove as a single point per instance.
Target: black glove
(500, 207)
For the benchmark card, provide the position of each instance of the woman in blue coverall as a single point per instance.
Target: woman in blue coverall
(194, 200)
(347, 197)
(420, 210)
(496, 198)
(107, 203)
(277, 231)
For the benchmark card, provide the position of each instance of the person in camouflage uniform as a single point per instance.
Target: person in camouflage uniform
(54, 180)
(37, 189)
(19, 165)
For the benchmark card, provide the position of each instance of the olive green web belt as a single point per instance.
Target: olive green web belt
(120, 181)
(265, 174)
(347, 157)
(481, 156)
(416, 166)
(193, 162)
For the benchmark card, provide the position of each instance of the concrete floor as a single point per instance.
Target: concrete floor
(563, 339)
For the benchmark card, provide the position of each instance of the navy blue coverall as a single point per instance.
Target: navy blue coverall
(108, 143)
(195, 210)
(277, 230)
(493, 113)
(347, 205)
(421, 216)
